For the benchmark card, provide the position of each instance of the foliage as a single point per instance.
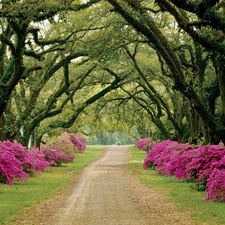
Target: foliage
(62, 149)
(178, 63)
(68, 143)
(17, 162)
(216, 185)
(78, 141)
(144, 144)
(56, 60)
(34, 161)
(63, 144)
(202, 164)
(55, 157)
(10, 167)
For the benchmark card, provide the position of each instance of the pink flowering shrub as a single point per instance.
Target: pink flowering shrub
(193, 163)
(65, 146)
(144, 144)
(17, 162)
(18, 150)
(69, 143)
(35, 161)
(54, 157)
(10, 167)
(78, 141)
(216, 185)
(161, 154)
(203, 160)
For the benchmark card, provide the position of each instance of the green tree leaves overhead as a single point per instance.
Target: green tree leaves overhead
(145, 63)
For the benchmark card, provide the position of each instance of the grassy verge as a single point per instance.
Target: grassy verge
(177, 191)
(44, 185)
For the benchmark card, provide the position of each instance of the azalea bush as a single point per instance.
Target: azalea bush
(35, 161)
(144, 144)
(78, 141)
(64, 145)
(216, 185)
(10, 168)
(205, 165)
(68, 143)
(55, 157)
(17, 162)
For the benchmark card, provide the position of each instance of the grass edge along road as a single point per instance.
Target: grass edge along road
(21, 195)
(179, 192)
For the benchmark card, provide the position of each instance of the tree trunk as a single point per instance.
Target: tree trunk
(2, 124)
(221, 79)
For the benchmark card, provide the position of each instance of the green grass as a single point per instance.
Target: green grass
(44, 185)
(177, 191)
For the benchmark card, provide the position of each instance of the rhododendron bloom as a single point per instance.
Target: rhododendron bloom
(144, 144)
(78, 141)
(66, 146)
(205, 164)
(216, 185)
(10, 166)
(54, 157)
(35, 161)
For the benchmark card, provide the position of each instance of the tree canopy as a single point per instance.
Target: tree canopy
(156, 67)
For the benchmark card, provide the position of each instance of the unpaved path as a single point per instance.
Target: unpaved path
(105, 194)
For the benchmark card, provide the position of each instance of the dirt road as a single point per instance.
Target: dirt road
(102, 194)
(105, 194)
